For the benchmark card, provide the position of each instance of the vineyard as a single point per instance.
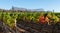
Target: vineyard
(29, 22)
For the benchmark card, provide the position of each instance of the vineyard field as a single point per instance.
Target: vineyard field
(29, 22)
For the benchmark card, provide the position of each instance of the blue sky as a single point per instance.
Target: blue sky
(31, 4)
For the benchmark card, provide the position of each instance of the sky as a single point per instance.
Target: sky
(31, 4)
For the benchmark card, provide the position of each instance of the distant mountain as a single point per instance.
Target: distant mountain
(24, 9)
